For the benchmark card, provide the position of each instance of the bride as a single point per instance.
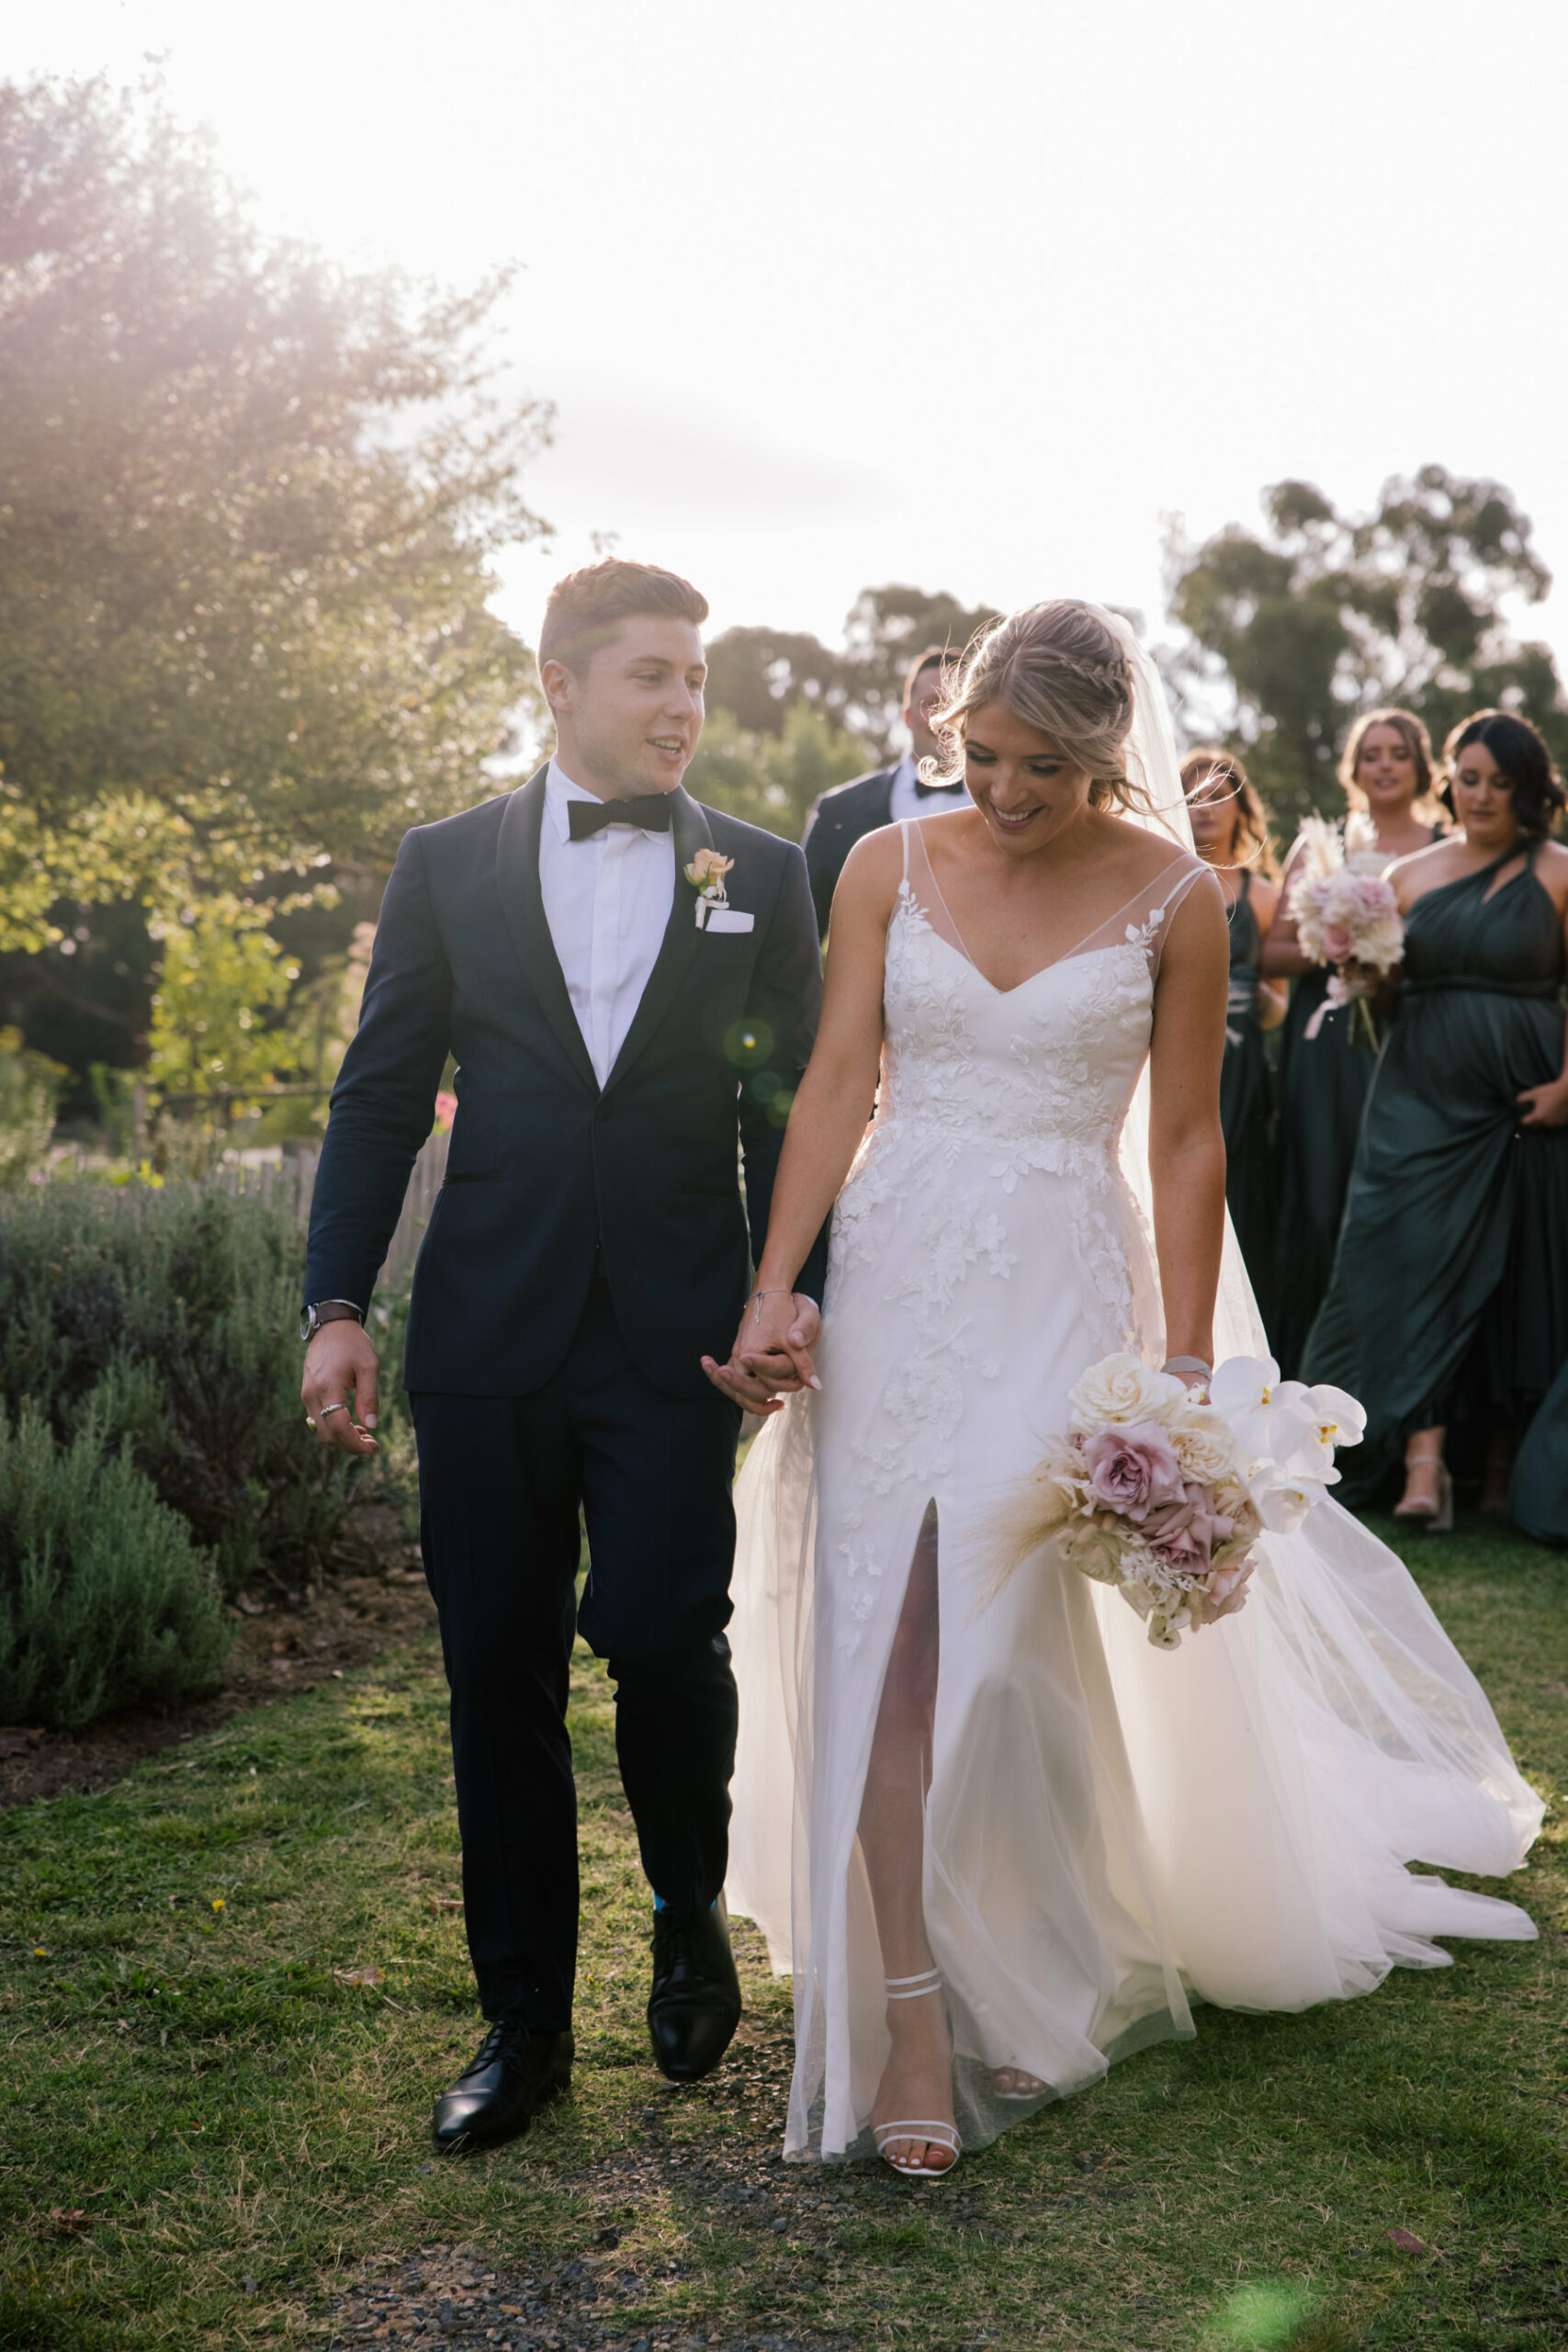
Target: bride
(1001, 1843)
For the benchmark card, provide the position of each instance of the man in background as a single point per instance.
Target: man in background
(838, 818)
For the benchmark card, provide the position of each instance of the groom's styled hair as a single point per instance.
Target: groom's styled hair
(586, 607)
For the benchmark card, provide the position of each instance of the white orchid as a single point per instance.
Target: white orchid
(1266, 1419)
(1285, 1434)
(1242, 1383)
(1340, 1420)
(1282, 1503)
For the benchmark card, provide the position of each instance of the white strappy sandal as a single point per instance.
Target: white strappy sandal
(931, 2130)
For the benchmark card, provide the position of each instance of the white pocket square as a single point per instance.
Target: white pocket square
(712, 918)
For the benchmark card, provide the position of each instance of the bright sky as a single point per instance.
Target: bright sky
(832, 293)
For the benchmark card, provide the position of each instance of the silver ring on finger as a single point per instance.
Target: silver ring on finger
(333, 1409)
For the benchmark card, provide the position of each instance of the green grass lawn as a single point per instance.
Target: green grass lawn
(211, 2131)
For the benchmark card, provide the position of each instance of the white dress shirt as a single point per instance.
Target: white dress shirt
(607, 902)
(906, 801)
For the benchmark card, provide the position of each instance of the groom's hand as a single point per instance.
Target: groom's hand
(778, 1351)
(771, 1356)
(340, 1363)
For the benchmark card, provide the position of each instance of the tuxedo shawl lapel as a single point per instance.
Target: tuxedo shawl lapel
(682, 937)
(522, 904)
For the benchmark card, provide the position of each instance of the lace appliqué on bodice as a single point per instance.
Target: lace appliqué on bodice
(983, 1092)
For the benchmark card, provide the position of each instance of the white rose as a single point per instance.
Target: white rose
(1122, 1389)
(1204, 1444)
(1232, 1503)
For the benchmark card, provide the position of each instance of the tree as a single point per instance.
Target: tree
(884, 630)
(246, 503)
(1327, 615)
(771, 779)
(217, 1007)
(760, 674)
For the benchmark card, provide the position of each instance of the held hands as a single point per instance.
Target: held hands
(339, 1362)
(771, 1355)
(1546, 1107)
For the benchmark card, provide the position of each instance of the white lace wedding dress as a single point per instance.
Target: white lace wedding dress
(1110, 1832)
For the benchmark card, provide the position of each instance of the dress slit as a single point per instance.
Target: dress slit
(892, 1826)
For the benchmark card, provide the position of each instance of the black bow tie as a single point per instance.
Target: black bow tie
(649, 810)
(939, 791)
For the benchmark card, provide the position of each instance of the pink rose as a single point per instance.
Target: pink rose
(446, 1111)
(1375, 898)
(1184, 1534)
(1226, 1594)
(1337, 942)
(1133, 1470)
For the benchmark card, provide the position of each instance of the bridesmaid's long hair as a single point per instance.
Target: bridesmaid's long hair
(1254, 845)
(1427, 807)
(1521, 755)
(1057, 667)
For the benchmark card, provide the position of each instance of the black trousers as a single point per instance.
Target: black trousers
(502, 1480)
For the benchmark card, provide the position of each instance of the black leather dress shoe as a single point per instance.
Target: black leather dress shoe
(516, 2070)
(695, 2006)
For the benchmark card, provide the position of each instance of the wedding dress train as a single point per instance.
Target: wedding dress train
(1107, 1831)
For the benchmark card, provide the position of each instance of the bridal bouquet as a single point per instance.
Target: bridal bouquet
(1163, 1493)
(1343, 916)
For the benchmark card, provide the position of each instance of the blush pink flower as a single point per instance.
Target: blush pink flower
(1339, 940)
(1224, 1594)
(1183, 1534)
(446, 1111)
(1133, 1470)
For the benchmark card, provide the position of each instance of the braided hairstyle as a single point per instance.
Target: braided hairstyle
(1058, 668)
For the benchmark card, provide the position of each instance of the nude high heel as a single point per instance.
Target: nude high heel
(1435, 1518)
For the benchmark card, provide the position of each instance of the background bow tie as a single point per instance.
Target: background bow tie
(941, 791)
(651, 812)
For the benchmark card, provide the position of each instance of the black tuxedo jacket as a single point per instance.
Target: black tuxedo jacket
(838, 820)
(545, 1171)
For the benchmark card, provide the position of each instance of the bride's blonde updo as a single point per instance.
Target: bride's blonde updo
(1058, 668)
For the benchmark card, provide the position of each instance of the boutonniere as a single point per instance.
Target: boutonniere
(706, 873)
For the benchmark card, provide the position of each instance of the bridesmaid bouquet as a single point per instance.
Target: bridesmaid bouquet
(1343, 916)
(1163, 1493)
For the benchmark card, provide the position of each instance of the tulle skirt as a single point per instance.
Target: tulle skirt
(1111, 1832)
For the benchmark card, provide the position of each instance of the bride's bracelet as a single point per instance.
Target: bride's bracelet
(1188, 1364)
(759, 1295)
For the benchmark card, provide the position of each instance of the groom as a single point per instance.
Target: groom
(621, 1015)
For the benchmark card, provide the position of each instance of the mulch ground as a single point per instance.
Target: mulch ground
(376, 1600)
(788, 2218)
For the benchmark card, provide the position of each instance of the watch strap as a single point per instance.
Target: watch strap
(328, 1310)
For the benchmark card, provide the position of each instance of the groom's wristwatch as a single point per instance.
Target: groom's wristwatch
(327, 1310)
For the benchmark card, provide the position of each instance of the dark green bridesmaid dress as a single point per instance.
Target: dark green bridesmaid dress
(1323, 1086)
(1449, 1292)
(1246, 1109)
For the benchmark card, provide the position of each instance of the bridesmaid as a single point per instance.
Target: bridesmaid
(1450, 1284)
(1230, 833)
(1386, 774)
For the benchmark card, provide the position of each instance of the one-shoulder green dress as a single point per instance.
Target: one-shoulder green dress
(1247, 1108)
(1450, 1290)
